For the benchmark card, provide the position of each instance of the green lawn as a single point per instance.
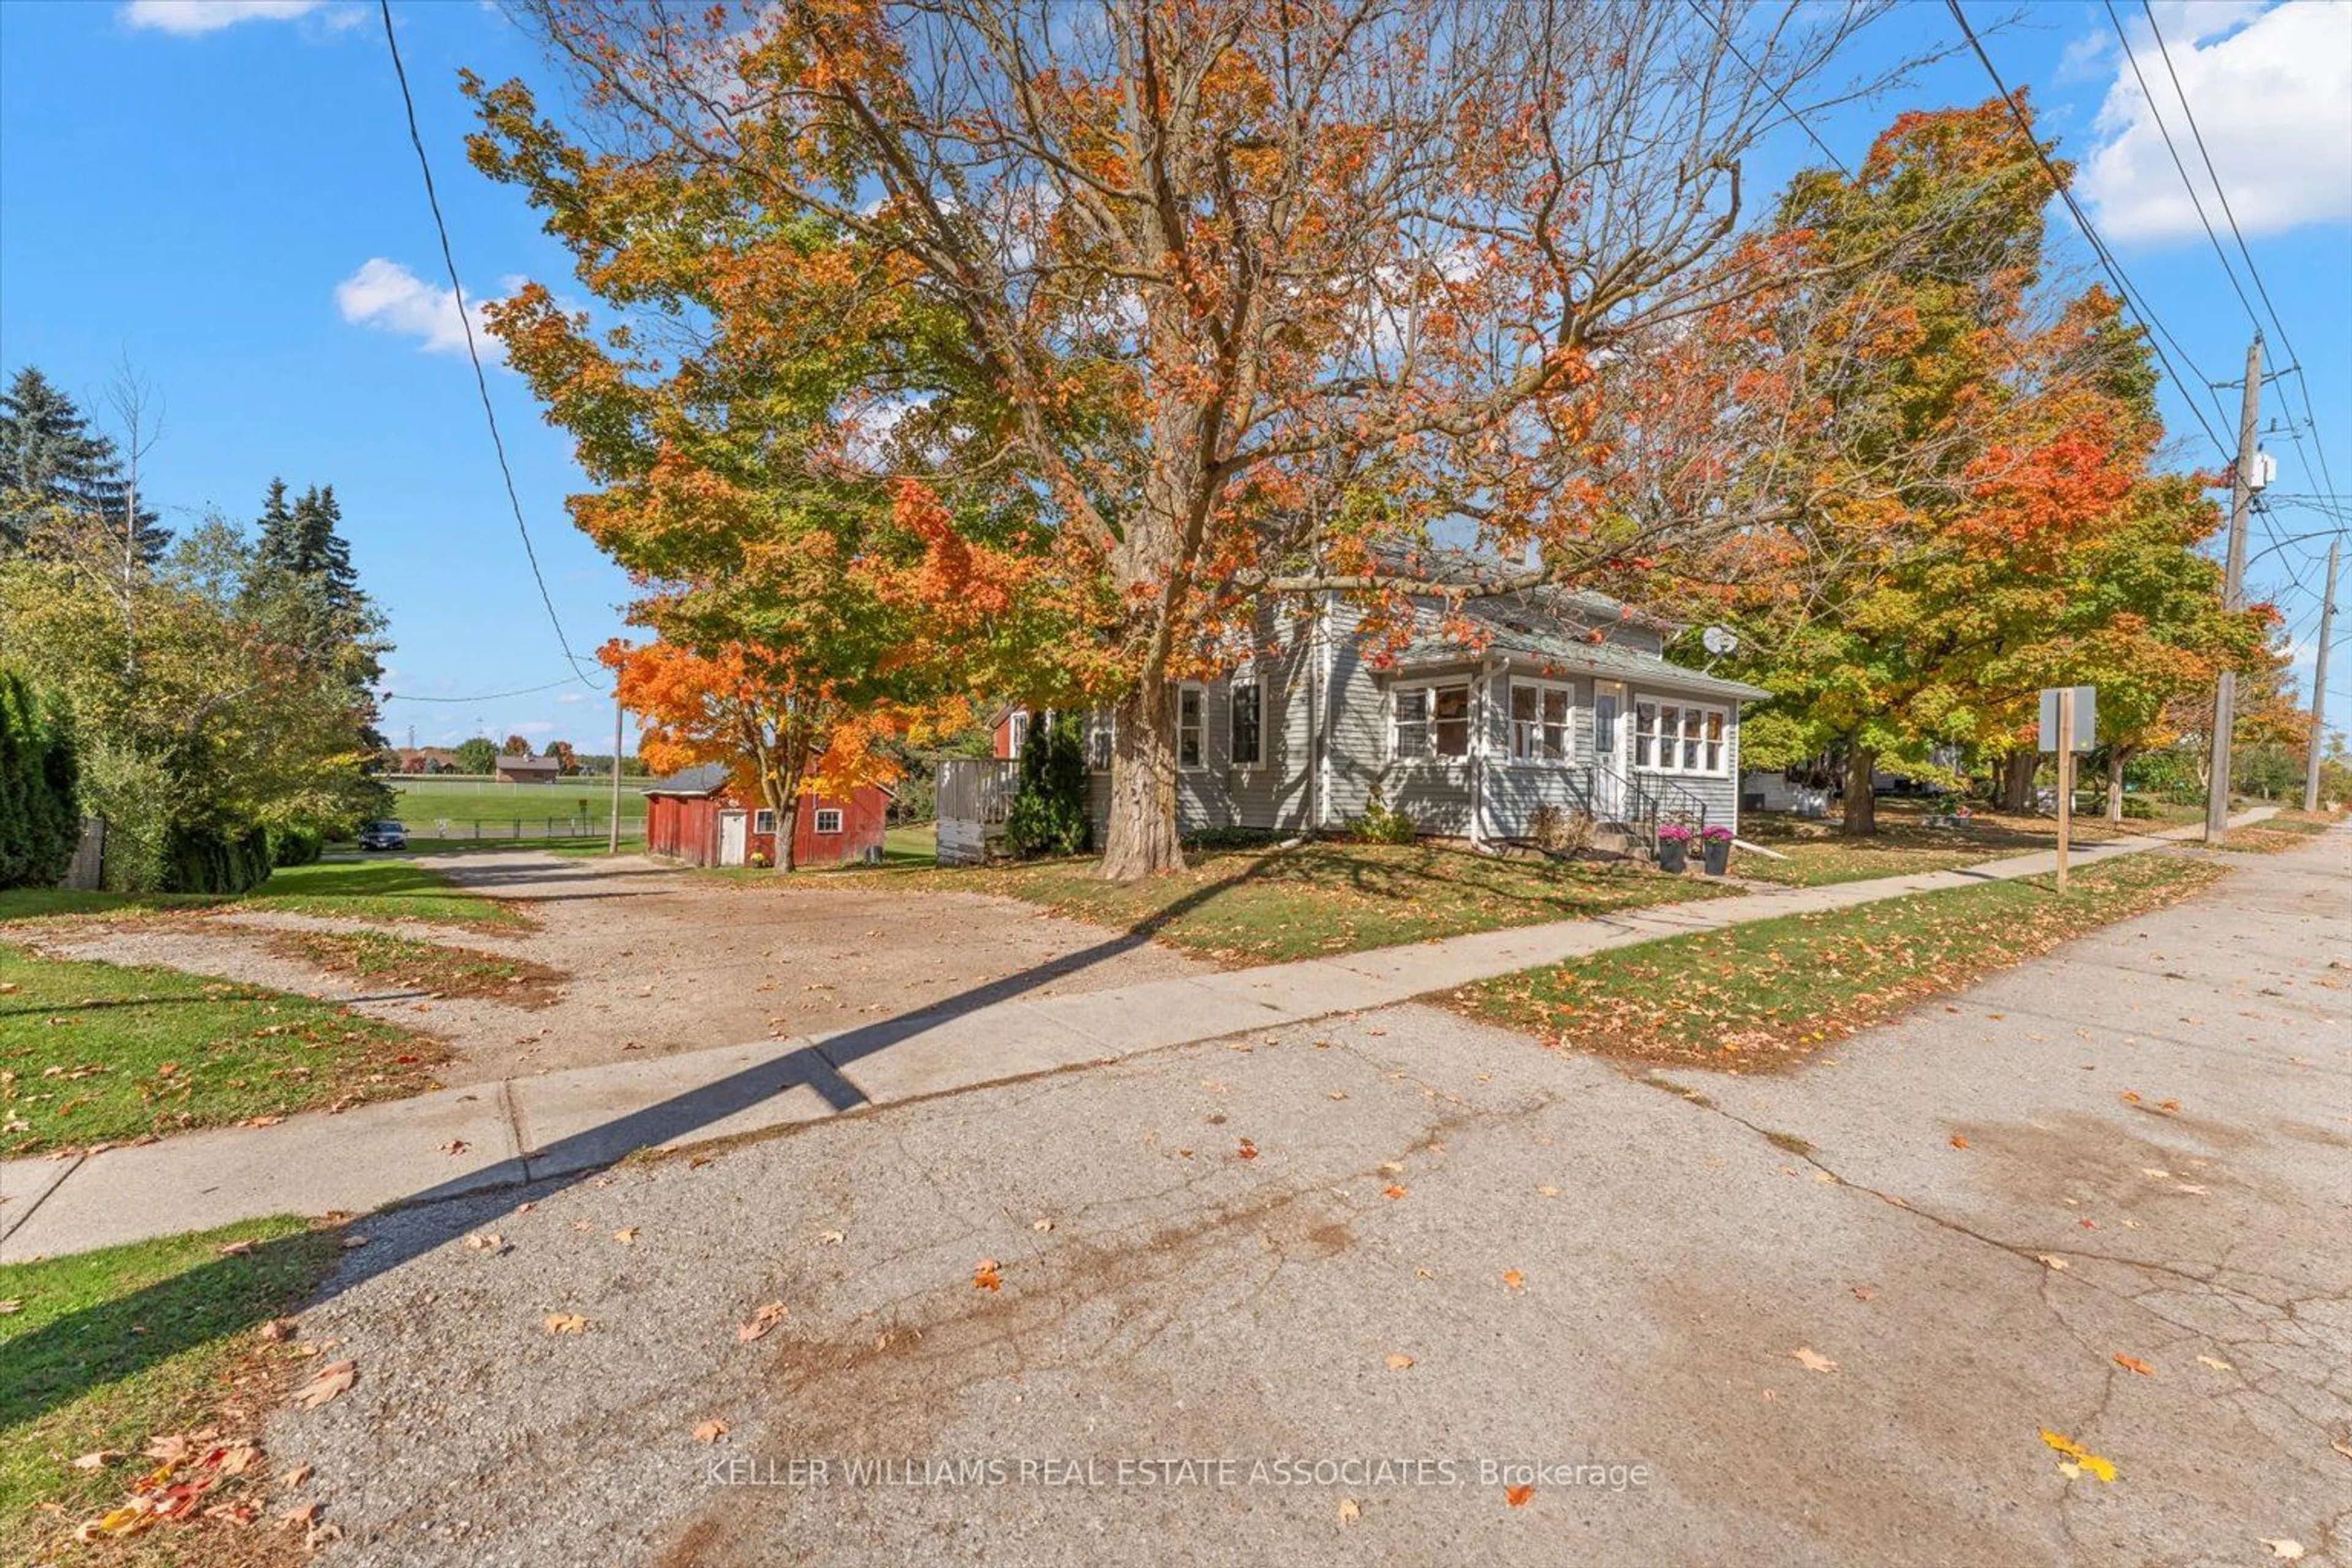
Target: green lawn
(423, 801)
(95, 1053)
(103, 1352)
(1758, 996)
(1904, 846)
(2287, 830)
(369, 890)
(1267, 905)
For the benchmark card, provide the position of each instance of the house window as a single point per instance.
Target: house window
(1682, 737)
(1245, 722)
(1099, 736)
(1017, 732)
(763, 821)
(1432, 722)
(828, 819)
(1538, 723)
(1188, 727)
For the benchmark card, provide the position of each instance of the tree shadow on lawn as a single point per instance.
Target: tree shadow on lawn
(131, 1333)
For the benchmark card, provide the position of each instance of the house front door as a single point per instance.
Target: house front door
(1609, 750)
(734, 834)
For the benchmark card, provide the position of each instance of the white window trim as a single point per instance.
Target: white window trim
(1102, 722)
(1468, 686)
(1017, 731)
(1249, 677)
(763, 820)
(1685, 707)
(1201, 692)
(832, 811)
(1567, 757)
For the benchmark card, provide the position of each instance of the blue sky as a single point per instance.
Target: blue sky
(225, 195)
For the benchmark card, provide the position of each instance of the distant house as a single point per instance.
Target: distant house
(697, 816)
(529, 770)
(423, 760)
(1010, 733)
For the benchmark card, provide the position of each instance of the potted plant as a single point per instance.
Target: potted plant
(1715, 845)
(1673, 847)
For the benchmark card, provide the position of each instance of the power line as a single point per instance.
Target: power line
(481, 380)
(2131, 297)
(1777, 97)
(2221, 191)
(485, 697)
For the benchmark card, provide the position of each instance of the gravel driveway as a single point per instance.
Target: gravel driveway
(663, 961)
(1336, 1295)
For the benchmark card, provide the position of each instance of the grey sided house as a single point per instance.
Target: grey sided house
(1512, 702)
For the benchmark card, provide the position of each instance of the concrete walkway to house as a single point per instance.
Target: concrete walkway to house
(472, 1138)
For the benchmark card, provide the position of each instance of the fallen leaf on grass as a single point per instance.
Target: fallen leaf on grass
(236, 1248)
(99, 1460)
(1518, 1497)
(11, 1305)
(1399, 1363)
(2133, 1364)
(326, 1382)
(710, 1431)
(758, 1324)
(985, 1276)
(277, 1331)
(302, 1514)
(566, 1323)
(1812, 1360)
(2079, 1459)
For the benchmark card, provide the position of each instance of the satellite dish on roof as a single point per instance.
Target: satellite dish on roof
(1718, 639)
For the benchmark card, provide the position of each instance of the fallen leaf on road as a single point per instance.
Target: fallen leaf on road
(1338, 1094)
(625, 1235)
(1399, 1363)
(1041, 1225)
(1348, 1511)
(1391, 1168)
(1513, 1279)
(1393, 1191)
(2190, 1187)
(710, 1431)
(351, 1243)
(1518, 1497)
(1248, 1150)
(1812, 1360)
(758, 1324)
(1958, 1141)
(2078, 1457)
(2285, 1551)
(277, 1330)
(566, 1323)
(295, 1476)
(326, 1382)
(2215, 1365)
(1866, 1293)
(985, 1276)
(831, 1237)
(2130, 1097)
(2133, 1364)
(2052, 1260)
(1546, 1192)
(456, 1146)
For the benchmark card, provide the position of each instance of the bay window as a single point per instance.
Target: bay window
(1680, 738)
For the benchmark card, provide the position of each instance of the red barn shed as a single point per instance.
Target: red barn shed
(699, 816)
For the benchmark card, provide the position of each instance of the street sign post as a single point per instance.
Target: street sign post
(2070, 718)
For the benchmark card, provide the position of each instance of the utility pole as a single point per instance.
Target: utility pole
(612, 827)
(2319, 686)
(2233, 594)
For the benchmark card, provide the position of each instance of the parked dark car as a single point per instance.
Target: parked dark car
(383, 836)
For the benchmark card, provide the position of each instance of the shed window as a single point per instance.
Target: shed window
(1017, 733)
(1188, 727)
(828, 819)
(1099, 735)
(763, 821)
(1247, 723)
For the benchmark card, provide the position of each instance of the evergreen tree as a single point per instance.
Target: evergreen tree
(48, 456)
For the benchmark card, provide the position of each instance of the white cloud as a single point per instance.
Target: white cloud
(2273, 99)
(389, 297)
(190, 17)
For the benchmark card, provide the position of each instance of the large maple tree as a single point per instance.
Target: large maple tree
(1149, 311)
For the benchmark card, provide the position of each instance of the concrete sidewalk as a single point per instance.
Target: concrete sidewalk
(459, 1140)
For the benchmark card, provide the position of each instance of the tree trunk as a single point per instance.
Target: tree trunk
(2116, 757)
(1141, 838)
(2017, 771)
(1861, 805)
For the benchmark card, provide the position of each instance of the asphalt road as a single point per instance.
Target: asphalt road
(1198, 1357)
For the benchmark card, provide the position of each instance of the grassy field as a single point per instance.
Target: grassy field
(387, 889)
(514, 809)
(93, 1053)
(1904, 844)
(2287, 830)
(103, 1352)
(1267, 905)
(1758, 996)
